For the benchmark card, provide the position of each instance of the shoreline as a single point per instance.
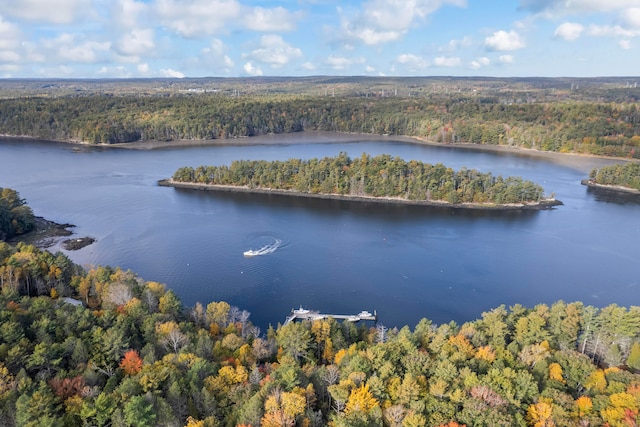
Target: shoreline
(579, 161)
(47, 233)
(542, 205)
(616, 188)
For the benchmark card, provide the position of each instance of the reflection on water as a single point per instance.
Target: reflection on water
(319, 206)
(611, 196)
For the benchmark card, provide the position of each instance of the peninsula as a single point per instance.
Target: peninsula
(380, 179)
(621, 177)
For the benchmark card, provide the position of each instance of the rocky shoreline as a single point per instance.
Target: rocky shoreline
(46, 234)
(542, 205)
(616, 188)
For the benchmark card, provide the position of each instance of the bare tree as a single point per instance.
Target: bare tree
(174, 340)
(254, 331)
(234, 314)
(244, 318)
(118, 294)
(198, 315)
(331, 375)
(381, 333)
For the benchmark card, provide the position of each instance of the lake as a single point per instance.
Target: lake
(406, 262)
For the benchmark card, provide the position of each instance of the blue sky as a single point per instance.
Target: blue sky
(235, 38)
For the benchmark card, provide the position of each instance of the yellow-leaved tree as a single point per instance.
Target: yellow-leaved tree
(361, 400)
(555, 372)
(540, 414)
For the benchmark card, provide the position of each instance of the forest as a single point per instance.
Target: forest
(622, 175)
(380, 176)
(525, 114)
(104, 347)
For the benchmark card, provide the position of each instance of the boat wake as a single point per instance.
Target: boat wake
(265, 250)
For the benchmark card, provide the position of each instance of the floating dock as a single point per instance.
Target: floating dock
(304, 314)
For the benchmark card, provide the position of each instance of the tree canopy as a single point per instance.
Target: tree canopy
(131, 354)
(15, 216)
(381, 176)
(604, 123)
(623, 175)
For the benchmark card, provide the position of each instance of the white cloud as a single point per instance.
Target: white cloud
(483, 61)
(631, 17)
(275, 51)
(625, 44)
(611, 30)
(447, 61)
(215, 58)
(72, 48)
(341, 63)
(129, 13)
(168, 72)
(308, 66)
(216, 52)
(412, 62)
(143, 68)
(252, 70)
(503, 41)
(117, 71)
(136, 42)
(569, 31)
(9, 35)
(382, 21)
(369, 69)
(50, 11)
(454, 45)
(371, 36)
(58, 71)
(32, 52)
(196, 18)
(278, 19)
(9, 56)
(506, 59)
(554, 7)
(9, 69)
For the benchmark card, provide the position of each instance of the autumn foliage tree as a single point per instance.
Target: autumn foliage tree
(131, 363)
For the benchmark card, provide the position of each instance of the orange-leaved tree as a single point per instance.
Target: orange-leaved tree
(131, 363)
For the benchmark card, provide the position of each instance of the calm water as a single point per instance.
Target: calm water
(340, 257)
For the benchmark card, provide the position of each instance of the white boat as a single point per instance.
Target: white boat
(364, 314)
(265, 250)
(300, 311)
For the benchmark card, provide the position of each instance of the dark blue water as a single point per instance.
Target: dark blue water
(406, 262)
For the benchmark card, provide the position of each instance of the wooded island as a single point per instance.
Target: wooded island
(381, 177)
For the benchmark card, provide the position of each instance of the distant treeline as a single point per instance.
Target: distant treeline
(624, 175)
(380, 176)
(15, 216)
(604, 128)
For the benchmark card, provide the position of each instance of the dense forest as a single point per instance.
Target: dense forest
(607, 124)
(103, 347)
(623, 175)
(125, 352)
(15, 216)
(380, 176)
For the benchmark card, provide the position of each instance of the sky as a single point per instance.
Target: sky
(239, 38)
